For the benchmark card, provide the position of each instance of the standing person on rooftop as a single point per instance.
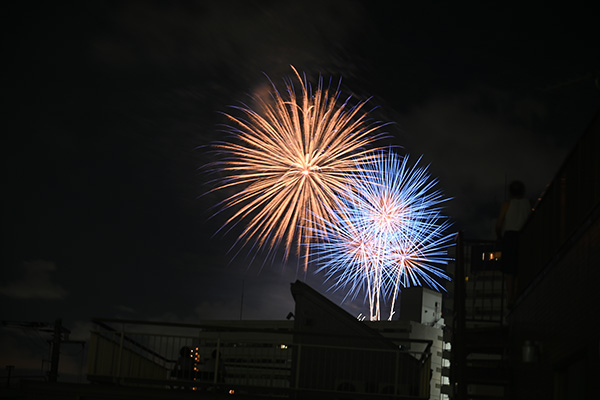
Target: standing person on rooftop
(513, 214)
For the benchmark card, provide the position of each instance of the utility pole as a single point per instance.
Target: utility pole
(9, 368)
(57, 340)
(54, 358)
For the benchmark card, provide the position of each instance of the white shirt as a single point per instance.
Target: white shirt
(516, 215)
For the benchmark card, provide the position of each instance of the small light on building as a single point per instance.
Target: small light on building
(231, 391)
(283, 346)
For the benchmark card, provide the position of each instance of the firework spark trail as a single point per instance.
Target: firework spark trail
(414, 259)
(387, 232)
(289, 160)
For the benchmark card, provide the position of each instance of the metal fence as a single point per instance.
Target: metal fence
(251, 360)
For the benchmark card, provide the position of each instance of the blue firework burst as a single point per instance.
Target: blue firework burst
(387, 232)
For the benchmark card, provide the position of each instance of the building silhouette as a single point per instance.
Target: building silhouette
(547, 345)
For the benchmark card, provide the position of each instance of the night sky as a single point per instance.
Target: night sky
(110, 108)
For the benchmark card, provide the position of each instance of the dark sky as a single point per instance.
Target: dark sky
(110, 106)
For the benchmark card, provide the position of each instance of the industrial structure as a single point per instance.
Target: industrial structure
(323, 352)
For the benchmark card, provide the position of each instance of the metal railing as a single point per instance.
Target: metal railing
(252, 360)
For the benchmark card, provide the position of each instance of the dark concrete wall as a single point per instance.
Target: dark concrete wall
(559, 315)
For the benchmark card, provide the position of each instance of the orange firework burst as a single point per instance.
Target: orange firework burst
(289, 159)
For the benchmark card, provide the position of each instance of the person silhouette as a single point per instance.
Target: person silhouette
(513, 215)
(215, 365)
(184, 368)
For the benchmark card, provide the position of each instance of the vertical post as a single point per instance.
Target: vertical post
(397, 374)
(120, 358)
(427, 376)
(9, 369)
(503, 297)
(298, 366)
(55, 356)
(217, 360)
(458, 356)
(199, 368)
